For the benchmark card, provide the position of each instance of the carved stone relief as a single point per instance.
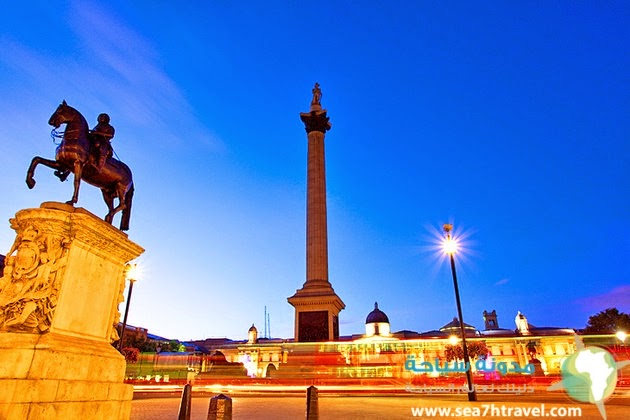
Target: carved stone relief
(30, 285)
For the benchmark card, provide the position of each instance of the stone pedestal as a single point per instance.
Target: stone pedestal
(63, 281)
(317, 310)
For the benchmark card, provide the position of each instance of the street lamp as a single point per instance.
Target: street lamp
(450, 247)
(621, 336)
(130, 273)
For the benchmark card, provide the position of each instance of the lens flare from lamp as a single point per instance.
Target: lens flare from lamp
(441, 249)
(450, 246)
(133, 271)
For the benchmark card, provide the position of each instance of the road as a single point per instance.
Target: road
(280, 406)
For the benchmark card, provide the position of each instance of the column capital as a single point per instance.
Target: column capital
(316, 121)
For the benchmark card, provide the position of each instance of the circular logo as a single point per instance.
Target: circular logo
(589, 375)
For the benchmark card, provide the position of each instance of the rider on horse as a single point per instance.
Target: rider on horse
(101, 149)
(102, 134)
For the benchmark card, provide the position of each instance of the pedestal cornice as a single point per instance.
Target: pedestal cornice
(76, 223)
(303, 298)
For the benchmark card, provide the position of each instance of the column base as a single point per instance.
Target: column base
(316, 315)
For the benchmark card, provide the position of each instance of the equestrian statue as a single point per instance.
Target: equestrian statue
(87, 154)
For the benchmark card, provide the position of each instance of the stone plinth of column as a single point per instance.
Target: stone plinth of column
(316, 304)
(316, 314)
(63, 282)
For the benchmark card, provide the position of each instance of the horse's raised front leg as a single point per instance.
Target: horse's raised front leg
(30, 180)
(78, 169)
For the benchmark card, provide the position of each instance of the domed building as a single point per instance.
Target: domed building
(252, 335)
(454, 328)
(377, 327)
(377, 323)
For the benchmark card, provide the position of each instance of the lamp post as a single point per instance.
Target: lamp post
(450, 247)
(621, 336)
(130, 274)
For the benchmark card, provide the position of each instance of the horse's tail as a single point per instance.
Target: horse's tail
(126, 213)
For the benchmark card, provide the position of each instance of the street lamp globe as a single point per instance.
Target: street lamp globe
(450, 245)
(132, 272)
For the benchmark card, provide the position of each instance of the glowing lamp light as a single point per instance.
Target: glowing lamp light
(453, 339)
(621, 335)
(132, 272)
(449, 244)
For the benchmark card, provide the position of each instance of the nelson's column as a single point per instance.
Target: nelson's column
(316, 304)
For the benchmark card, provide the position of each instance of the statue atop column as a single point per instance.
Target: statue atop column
(316, 119)
(317, 97)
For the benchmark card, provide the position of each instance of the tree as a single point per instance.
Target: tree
(608, 321)
(131, 354)
(476, 349)
(171, 346)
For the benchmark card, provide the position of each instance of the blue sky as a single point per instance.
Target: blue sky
(508, 120)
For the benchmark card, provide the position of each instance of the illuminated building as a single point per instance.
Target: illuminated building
(378, 354)
(377, 324)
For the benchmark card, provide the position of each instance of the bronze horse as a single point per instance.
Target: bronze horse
(74, 156)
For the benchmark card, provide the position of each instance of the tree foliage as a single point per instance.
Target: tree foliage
(131, 354)
(608, 321)
(171, 346)
(146, 345)
(476, 349)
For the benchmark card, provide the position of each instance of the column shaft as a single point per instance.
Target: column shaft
(316, 228)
